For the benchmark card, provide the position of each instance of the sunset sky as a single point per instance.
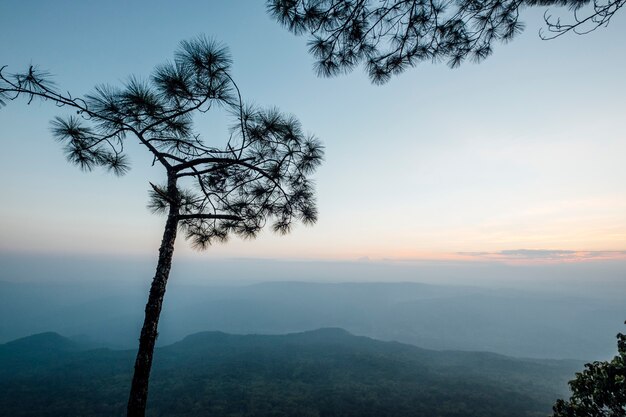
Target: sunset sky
(519, 158)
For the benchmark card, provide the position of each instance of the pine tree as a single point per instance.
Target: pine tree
(261, 175)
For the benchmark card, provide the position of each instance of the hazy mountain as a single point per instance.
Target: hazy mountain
(326, 372)
(512, 322)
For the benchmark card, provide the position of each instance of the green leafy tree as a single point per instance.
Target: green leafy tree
(600, 390)
(261, 175)
(389, 36)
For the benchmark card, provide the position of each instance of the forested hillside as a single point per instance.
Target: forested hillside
(327, 372)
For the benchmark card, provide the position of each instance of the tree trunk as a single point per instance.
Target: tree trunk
(143, 363)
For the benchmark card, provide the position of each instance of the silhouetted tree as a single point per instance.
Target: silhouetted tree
(262, 173)
(600, 390)
(391, 35)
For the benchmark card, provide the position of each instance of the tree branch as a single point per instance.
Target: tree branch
(209, 216)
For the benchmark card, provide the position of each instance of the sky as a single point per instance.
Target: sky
(518, 159)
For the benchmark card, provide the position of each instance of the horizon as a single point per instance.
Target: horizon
(595, 278)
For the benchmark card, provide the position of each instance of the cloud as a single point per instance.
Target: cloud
(545, 255)
(538, 253)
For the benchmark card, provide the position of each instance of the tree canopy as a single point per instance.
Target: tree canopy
(600, 390)
(260, 173)
(389, 36)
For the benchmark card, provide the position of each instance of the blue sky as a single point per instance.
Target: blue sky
(523, 151)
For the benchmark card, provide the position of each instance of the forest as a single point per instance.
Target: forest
(326, 372)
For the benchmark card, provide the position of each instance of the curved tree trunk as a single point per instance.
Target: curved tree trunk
(143, 363)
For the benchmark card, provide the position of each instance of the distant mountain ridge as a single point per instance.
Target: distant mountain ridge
(509, 322)
(327, 372)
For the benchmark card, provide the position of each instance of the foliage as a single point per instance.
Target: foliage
(600, 390)
(392, 35)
